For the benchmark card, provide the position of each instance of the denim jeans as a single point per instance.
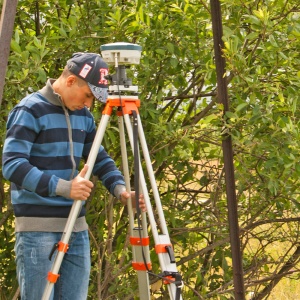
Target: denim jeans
(33, 264)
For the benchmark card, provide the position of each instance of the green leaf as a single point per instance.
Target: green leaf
(174, 62)
(15, 46)
(241, 106)
(273, 41)
(17, 36)
(37, 42)
(252, 36)
(160, 51)
(170, 48)
(62, 32)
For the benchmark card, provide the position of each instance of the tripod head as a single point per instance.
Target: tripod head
(121, 54)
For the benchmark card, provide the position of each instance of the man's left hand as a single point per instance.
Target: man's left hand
(125, 196)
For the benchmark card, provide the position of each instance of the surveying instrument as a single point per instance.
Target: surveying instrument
(123, 96)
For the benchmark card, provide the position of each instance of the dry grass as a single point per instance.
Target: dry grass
(287, 289)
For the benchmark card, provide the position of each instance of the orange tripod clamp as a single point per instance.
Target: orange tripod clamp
(127, 104)
(52, 277)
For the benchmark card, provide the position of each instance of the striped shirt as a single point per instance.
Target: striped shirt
(44, 145)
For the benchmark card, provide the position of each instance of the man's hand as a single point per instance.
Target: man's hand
(81, 188)
(125, 195)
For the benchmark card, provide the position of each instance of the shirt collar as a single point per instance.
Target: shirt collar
(48, 92)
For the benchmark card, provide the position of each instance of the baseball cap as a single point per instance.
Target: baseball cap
(93, 69)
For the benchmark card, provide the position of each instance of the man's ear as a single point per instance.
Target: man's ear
(71, 79)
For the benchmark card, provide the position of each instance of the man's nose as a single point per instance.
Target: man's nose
(88, 103)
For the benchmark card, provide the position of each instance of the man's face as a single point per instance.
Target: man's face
(77, 94)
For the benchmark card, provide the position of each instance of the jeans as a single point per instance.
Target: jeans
(33, 264)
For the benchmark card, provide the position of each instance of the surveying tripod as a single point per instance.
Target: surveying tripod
(127, 106)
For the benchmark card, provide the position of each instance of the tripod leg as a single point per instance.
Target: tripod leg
(152, 177)
(163, 245)
(138, 236)
(142, 177)
(75, 210)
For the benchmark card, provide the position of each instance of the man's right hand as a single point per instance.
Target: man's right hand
(81, 188)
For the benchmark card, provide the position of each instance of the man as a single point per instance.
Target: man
(48, 133)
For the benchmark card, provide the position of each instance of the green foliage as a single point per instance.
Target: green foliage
(183, 123)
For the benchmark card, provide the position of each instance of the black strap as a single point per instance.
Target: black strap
(136, 162)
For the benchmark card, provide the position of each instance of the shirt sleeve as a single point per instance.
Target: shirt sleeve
(22, 130)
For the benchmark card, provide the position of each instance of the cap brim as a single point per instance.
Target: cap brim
(100, 93)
